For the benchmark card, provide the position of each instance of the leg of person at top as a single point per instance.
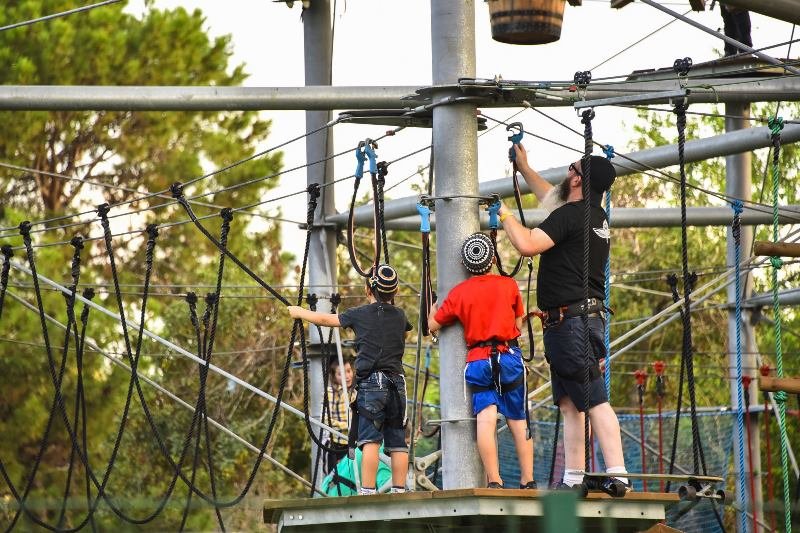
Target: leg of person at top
(606, 426)
(369, 464)
(487, 443)
(574, 443)
(524, 446)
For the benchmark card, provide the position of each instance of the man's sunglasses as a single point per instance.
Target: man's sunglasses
(573, 168)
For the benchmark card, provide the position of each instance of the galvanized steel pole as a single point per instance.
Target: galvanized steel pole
(318, 44)
(455, 170)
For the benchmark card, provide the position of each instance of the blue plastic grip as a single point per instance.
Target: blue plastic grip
(361, 158)
(494, 219)
(425, 218)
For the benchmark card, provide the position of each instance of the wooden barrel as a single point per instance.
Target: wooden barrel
(526, 21)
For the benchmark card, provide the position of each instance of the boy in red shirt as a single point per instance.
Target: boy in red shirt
(490, 309)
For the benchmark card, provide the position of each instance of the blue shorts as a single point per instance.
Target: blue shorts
(374, 398)
(511, 403)
(564, 344)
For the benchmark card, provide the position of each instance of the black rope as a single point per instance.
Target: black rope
(77, 243)
(56, 378)
(427, 296)
(493, 232)
(177, 193)
(312, 299)
(672, 280)
(529, 318)
(586, 166)
(383, 170)
(8, 253)
(680, 112)
(312, 205)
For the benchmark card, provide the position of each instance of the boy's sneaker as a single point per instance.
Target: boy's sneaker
(529, 485)
(494, 485)
(579, 488)
(613, 487)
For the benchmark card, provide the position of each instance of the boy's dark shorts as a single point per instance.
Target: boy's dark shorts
(373, 397)
(564, 346)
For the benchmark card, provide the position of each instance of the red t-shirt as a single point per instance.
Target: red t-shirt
(487, 306)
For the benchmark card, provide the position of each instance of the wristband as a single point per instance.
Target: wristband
(505, 216)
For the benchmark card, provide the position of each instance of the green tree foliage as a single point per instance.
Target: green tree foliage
(134, 153)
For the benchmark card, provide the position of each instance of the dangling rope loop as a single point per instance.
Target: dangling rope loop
(366, 151)
(8, 253)
(688, 356)
(177, 192)
(736, 232)
(776, 126)
(586, 168)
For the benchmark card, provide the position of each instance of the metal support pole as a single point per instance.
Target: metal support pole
(318, 45)
(455, 170)
(738, 181)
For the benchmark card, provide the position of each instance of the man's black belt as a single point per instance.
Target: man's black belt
(590, 307)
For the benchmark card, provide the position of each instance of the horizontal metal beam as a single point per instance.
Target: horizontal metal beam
(659, 157)
(785, 297)
(642, 217)
(316, 98)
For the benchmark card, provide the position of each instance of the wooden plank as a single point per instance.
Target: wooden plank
(772, 384)
(779, 249)
(618, 4)
(634, 496)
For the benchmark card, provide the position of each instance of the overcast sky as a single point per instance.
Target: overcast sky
(387, 42)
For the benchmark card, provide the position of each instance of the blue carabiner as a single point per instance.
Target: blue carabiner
(494, 209)
(515, 138)
(425, 218)
(361, 158)
(369, 149)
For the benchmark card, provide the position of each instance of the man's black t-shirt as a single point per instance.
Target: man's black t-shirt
(560, 280)
(380, 337)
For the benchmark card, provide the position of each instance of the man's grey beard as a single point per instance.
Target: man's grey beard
(556, 197)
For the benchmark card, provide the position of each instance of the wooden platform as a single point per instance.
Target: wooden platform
(471, 510)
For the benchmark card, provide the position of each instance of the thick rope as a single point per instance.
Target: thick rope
(383, 170)
(586, 169)
(672, 280)
(688, 284)
(317, 439)
(736, 230)
(177, 193)
(8, 253)
(776, 125)
(680, 112)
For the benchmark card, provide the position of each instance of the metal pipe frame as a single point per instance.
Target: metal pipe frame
(643, 217)
(324, 98)
(625, 164)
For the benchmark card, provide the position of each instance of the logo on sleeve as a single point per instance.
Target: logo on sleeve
(604, 232)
